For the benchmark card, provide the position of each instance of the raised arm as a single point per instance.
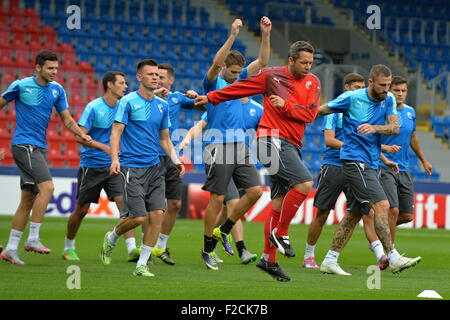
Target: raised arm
(415, 145)
(219, 58)
(323, 111)
(264, 50)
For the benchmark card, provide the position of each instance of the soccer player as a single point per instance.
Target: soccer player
(252, 113)
(225, 153)
(35, 98)
(399, 188)
(93, 176)
(141, 125)
(332, 183)
(367, 114)
(174, 184)
(291, 99)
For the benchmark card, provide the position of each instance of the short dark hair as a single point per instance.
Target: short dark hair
(379, 70)
(234, 58)
(45, 55)
(398, 80)
(298, 46)
(146, 62)
(353, 77)
(110, 76)
(168, 67)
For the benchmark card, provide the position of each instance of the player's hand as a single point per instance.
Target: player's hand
(427, 167)
(393, 149)
(191, 94)
(366, 129)
(114, 170)
(394, 167)
(265, 25)
(181, 170)
(201, 101)
(161, 92)
(2, 154)
(86, 138)
(236, 26)
(277, 101)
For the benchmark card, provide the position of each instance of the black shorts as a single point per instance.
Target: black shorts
(91, 181)
(399, 189)
(144, 191)
(331, 183)
(283, 161)
(174, 184)
(363, 182)
(32, 163)
(233, 192)
(224, 161)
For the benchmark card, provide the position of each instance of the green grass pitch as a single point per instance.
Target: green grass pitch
(45, 277)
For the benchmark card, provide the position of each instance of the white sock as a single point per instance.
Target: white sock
(69, 244)
(34, 231)
(309, 253)
(145, 255)
(131, 244)
(377, 247)
(162, 241)
(331, 257)
(393, 256)
(14, 239)
(113, 236)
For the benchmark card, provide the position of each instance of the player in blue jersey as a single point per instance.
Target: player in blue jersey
(174, 184)
(367, 114)
(141, 125)
(93, 176)
(252, 113)
(399, 187)
(332, 183)
(225, 153)
(34, 99)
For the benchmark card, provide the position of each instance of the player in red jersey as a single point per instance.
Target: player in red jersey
(291, 99)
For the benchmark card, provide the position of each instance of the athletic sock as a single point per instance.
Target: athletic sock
(69, 244)
(208, 244)
(113, 236)
(270, 251)
(331, 257)
(145, 255)
(377, 248)
(240, 246)
(292, 201)
(309, 252)
(393, 256)
(162, 241)
(14, 239)
(34, 231)
(227, 226)
(131, 244)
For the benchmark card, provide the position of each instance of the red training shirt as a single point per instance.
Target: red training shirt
(301, 97)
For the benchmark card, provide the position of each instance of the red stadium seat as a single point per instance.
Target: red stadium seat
(18, 43)
(85, 66)
(50, 36)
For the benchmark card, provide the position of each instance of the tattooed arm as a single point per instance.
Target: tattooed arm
(390, 129)
(323, 111)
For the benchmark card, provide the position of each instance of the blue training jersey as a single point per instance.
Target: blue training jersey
(143, 119)
(407, 119)
(333, 122)
(176, 101)
(34, 104)
(98, 117)
(225, 121)
(252, 112)
(357, 109)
